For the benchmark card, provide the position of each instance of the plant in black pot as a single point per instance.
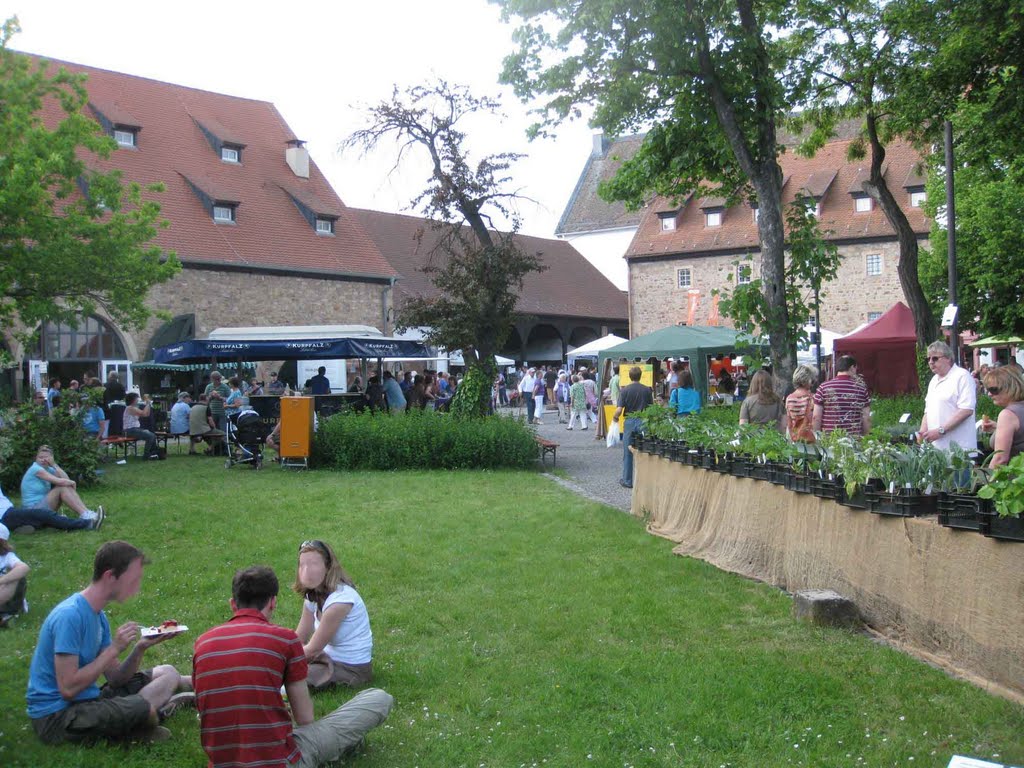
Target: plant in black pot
(1005, 488)
(904, 471)
(958, 505)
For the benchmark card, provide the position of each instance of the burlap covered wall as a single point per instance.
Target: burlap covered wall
(954, 597)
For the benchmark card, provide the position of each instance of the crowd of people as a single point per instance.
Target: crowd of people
(251, 680)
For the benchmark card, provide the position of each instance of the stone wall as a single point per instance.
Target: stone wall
(221, 299)
(656, 300)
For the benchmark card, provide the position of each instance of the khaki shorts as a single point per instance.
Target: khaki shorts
(117, 714)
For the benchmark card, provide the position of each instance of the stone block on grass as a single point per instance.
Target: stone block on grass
(826, 608)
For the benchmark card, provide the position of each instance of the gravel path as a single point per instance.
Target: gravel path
(593, 469)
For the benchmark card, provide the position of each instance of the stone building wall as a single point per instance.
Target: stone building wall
(656, 299)
(222, 298)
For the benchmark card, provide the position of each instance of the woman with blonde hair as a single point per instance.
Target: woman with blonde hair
(335, 627)
(1006, 388)
(762, 405)
(800, 405)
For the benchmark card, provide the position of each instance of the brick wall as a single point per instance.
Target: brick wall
(656, 300)
(221, 299)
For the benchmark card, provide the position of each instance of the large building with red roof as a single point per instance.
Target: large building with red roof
(681, 251)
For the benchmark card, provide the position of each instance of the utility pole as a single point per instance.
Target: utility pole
(954, 340)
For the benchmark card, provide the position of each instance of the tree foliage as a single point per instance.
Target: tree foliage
(702, 75)
(64, 252)
(478, 270)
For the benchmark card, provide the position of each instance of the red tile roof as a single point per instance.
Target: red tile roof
(270, 231)
(828, 173)
(570, 286)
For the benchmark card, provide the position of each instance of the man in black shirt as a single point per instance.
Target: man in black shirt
(632, 399)
(550, 379)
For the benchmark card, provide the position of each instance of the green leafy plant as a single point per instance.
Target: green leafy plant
(1005, 488)
(28, 427)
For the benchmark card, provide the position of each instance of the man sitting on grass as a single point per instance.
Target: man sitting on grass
(13, 584)
(28, 519)
(239, 668)
(75, 647)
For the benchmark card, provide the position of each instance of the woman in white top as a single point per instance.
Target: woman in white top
(335, 627)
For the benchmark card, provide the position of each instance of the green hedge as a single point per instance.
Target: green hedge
(422, 440)
(26, 428)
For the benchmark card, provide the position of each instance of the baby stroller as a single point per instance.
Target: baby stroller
(246, 435)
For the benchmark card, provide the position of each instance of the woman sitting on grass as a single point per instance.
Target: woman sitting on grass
(46, 486)
(335, 627)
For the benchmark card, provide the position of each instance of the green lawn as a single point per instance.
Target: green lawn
(515, 624)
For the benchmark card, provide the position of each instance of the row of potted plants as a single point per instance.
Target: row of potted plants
(873, 473)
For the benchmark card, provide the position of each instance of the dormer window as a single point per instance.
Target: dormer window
(224, 213)
(918, 197)
(324, 226)
(713, 218)
(231, 154)
(757, 213)
(125, 136)
(668, 220)
(863, 204)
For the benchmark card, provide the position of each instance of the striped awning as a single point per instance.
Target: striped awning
(149, 365)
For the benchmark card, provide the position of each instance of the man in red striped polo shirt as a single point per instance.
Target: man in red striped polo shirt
(843, 402)
(238, 670)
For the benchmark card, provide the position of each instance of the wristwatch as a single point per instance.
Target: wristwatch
(942, 430)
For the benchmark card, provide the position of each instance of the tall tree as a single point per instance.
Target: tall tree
(477, 269)
(704, 74)
(63, 252)
(851, 61)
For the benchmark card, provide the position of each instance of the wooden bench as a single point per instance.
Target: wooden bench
(121, 443)
(166, 437)
(547, 447)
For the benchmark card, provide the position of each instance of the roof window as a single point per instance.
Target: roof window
(324, 225)
(230, 154)
(125, 136)
(224, 213)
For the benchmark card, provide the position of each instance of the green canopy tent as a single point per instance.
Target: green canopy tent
(997, 341)
(692, 341)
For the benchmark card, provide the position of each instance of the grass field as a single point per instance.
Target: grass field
(515, 624)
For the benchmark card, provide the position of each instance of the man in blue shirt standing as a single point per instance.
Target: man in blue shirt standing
(320, 384)
(75, 647)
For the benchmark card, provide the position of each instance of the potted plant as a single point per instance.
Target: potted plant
(1005, 488)
(958, 505)
(904, 472)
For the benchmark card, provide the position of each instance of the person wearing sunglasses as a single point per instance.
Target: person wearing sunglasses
(335, 626)
(1006, 388)
(950, 402)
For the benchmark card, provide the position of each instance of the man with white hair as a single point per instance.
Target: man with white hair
(526, 385)
(950, 402)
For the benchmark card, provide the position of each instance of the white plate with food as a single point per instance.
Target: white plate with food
(167, 628)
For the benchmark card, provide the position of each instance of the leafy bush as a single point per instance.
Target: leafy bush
(422, 440)
(27, 427)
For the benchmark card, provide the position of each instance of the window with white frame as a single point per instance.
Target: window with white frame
(873, 263)
(684, 278)
(713, 219)
(863, 204)
(817, 209)
(324, 226)
(744, 274)
(918, 198)
(668, 223)
(224, 213)
(125, 137)
(231, 154)
(872, 316)
(757, 214)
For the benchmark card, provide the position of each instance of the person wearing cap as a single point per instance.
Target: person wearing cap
(179, 414)
(28, 519)
(276, 386)
(76, 647)
(216, 393)
(13, 584)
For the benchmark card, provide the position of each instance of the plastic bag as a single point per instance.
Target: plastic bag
(613, 437)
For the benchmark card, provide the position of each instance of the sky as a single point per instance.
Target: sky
(319, 62)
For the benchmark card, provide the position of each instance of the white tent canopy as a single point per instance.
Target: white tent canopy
(272, 332)
(593, 348)
(806, 352)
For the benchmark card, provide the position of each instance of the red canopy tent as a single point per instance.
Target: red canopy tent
(886, 352)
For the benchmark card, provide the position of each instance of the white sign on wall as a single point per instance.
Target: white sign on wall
(306, 369)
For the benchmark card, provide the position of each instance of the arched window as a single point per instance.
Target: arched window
(92, 339)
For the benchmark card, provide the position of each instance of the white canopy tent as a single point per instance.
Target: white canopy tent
(592, 349)
(806, 352)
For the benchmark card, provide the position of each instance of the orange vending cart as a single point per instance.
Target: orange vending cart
(296, 431)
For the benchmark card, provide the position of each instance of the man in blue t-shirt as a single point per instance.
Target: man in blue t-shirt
(320, 384)
(75, 647)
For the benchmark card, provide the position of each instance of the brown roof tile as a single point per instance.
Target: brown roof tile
(570, 286)
(586, 211)
(839, 219)
(270, 232)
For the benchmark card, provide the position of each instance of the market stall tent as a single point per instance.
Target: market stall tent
(886, 352)
(692, 341)
(593, 349)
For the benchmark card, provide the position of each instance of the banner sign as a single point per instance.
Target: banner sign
(198, 350)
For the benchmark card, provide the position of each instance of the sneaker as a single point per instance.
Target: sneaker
(177, 701)
(24, 530)
(154, 735)
(6, 619)
(98, 520)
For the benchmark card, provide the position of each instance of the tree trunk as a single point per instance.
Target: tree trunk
(924, 322)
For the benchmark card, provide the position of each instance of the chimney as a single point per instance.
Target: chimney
(297, 157)
(601, 145)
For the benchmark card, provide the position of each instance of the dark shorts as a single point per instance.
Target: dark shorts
(117, 714)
